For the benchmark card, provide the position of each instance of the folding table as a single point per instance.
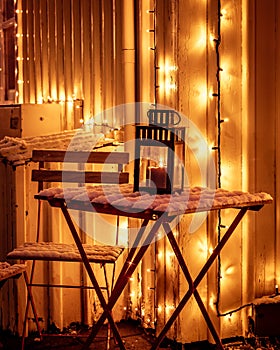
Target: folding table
(143, 239)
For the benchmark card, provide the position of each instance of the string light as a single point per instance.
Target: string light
(221, 14)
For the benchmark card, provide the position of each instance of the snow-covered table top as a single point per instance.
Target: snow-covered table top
(123, 198)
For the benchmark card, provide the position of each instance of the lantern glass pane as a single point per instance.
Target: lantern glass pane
(178, 166)
(153, 166)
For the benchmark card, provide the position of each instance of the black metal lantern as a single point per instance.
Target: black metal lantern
(160, 153)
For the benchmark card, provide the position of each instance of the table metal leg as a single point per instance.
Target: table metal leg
(92, 277)
(130, 266)
(193, 284)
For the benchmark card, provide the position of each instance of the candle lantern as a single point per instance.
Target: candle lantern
(160, 153)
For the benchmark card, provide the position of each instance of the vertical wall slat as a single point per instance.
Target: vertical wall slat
(265, 161)
(52, 64)
(30, 31)
(37, 39)
(68, 82)
(45, 49)
(108, 59)
(231, 159)
(277, 144)
(77, 51)
(86, 58)
(118, 67)
(59, 50)
(96, 30)
(211, 127)
(25, 54)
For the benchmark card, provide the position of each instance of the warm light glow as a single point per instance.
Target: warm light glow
(210, 94)
(170, 86)
(202, 94)
(170, 68)
(201, 35)
(228, 317)
(212, 301)
(160, 255)
(169, 308)
(170, 254)
(224, 12)
(212, 39)
(224, 68)
(203, 247)
(229, 271)
(211, 147)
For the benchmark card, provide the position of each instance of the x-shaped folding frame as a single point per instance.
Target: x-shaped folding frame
(135, 254)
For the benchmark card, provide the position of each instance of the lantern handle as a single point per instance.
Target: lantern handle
(156, 116)
(179, 118)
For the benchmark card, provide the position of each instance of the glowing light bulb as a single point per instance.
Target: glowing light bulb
(223, 12)
(212, 39)
(228, 317)
(212, 302)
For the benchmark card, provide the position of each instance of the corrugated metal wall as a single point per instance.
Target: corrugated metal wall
(71, 50)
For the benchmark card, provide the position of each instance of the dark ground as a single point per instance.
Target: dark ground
(135, 338)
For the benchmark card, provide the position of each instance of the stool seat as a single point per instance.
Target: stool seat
(51, 251)
(7, 271)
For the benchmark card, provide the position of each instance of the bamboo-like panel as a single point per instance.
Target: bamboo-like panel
(31, 61)
(60, 95)
(52, 49)
(37, 56)
(86, 57)
(265, 125)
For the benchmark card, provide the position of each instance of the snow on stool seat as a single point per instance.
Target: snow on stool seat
(50, 251)
(7, 271)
